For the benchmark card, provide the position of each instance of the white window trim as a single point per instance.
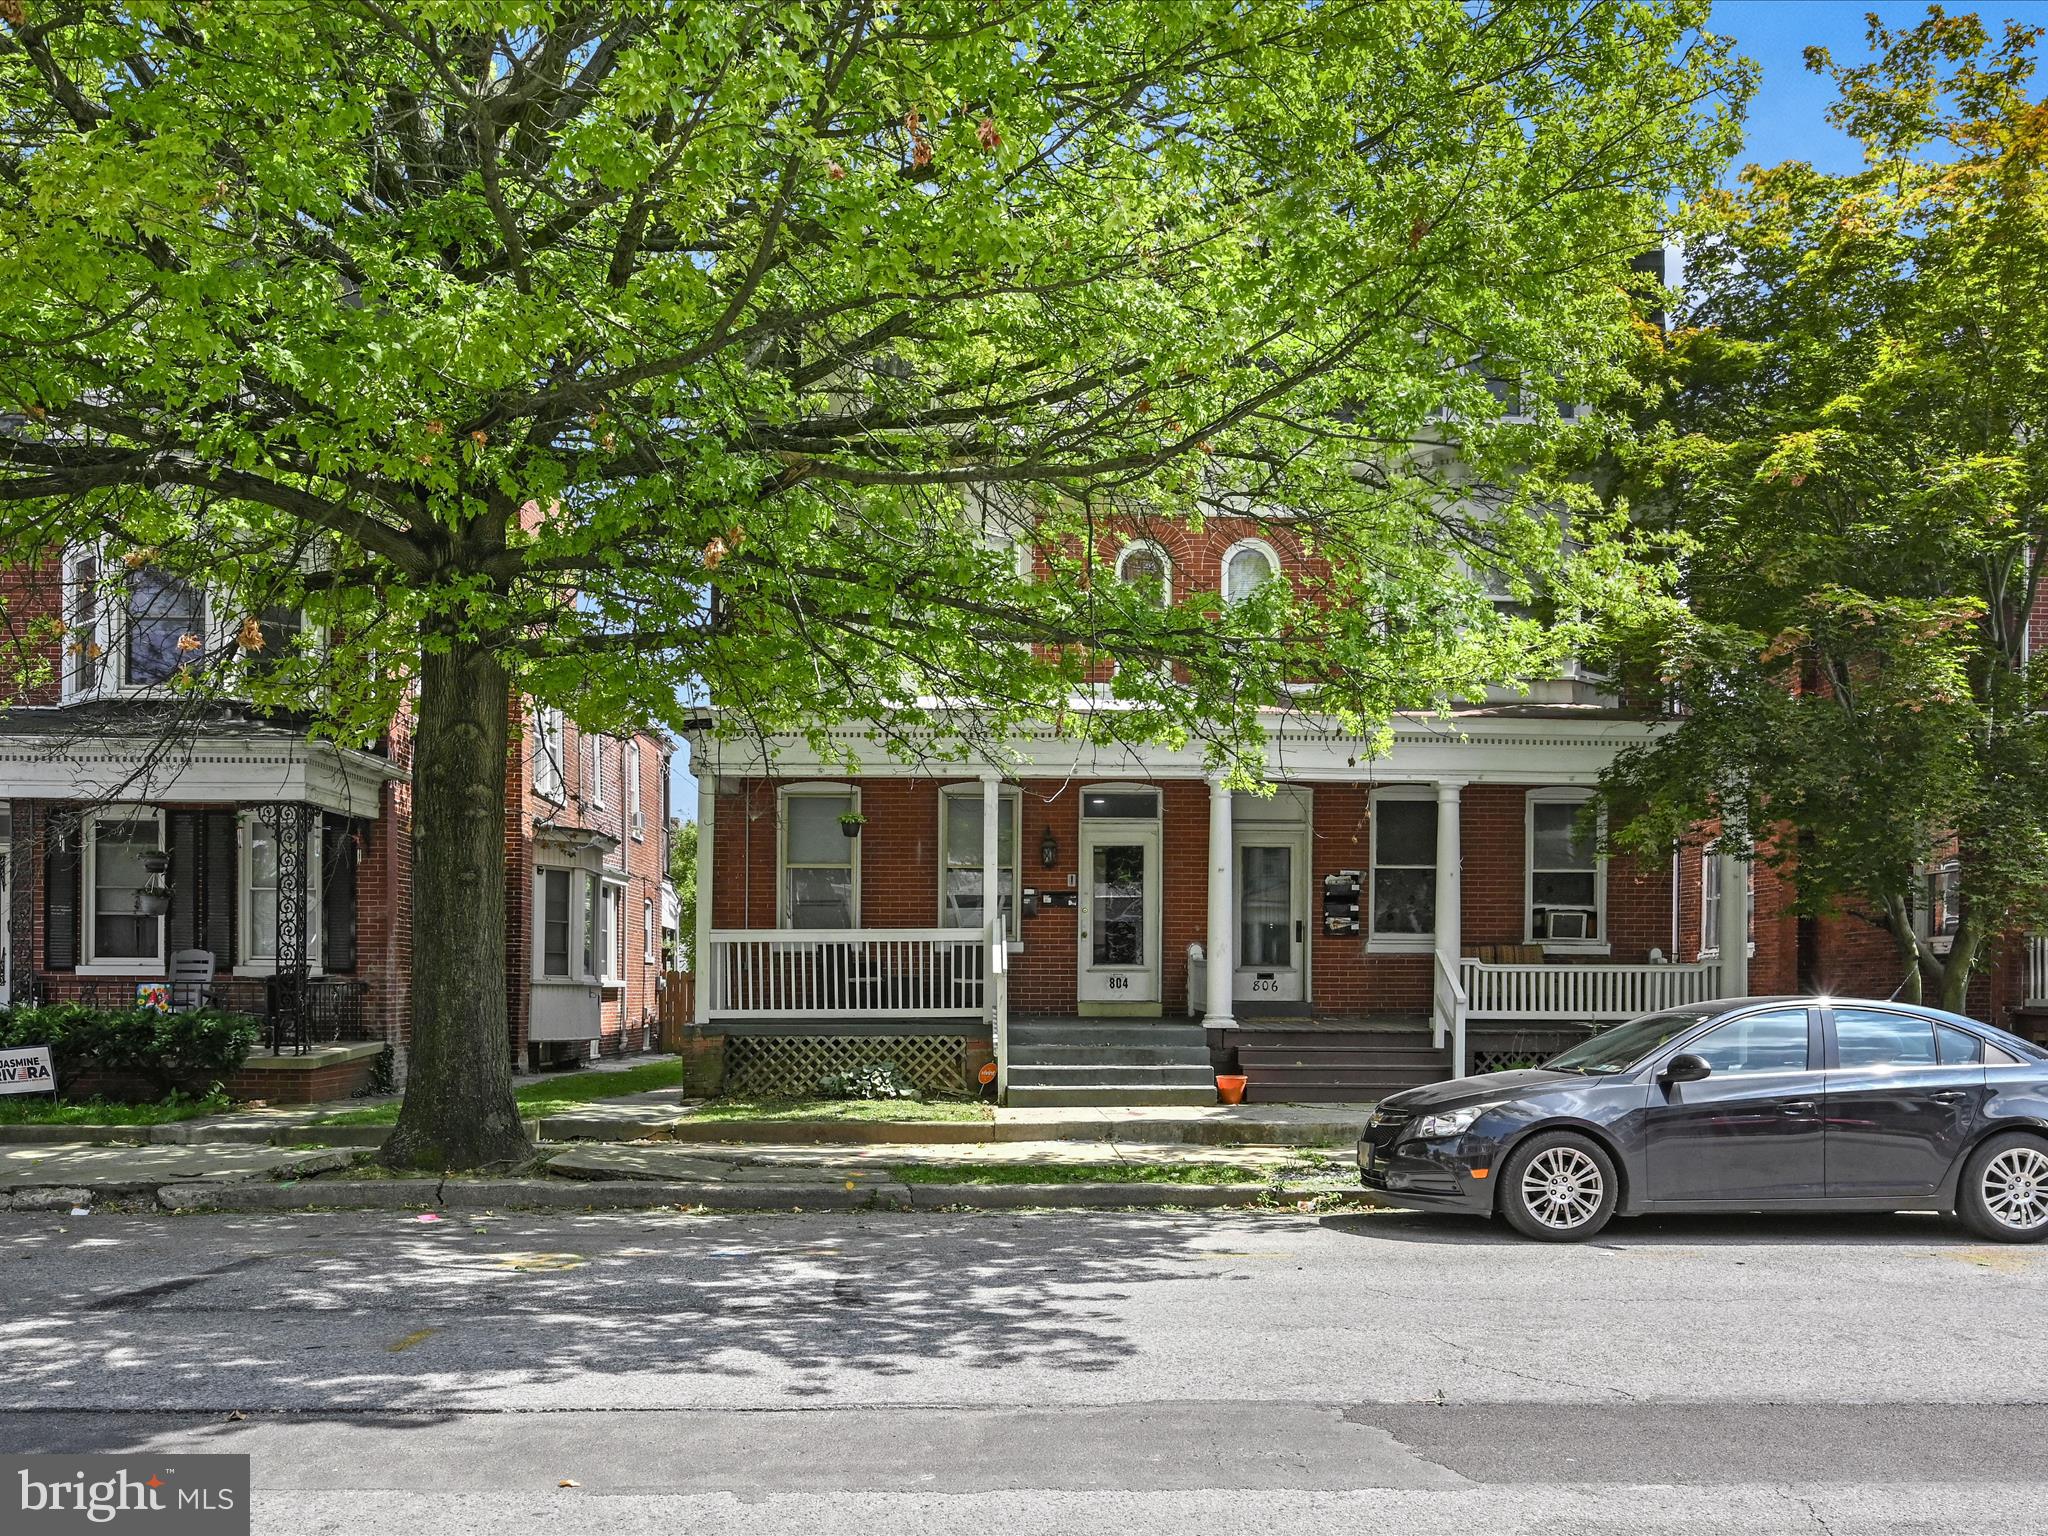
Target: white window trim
(110, 628)
(848, 792)
(570, 872)
(1223, 567)
(1393, 943)
(611, 901)
(650, 943)
(1012, 805)
(1602, 945)
(597, 793)
(1710, 928)
(1937, 943)
(1154, 547)
(550, 748)
(316, 937)
(636, 815)
(89, 898)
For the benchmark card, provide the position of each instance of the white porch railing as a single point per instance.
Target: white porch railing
(1583, 994)
(2037, 970)
(998, 941)
(850, 973)
(1449, 1012)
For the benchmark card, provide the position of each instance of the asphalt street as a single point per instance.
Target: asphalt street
(1001, 1373)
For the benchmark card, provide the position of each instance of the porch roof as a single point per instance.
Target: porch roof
(131, 755)
(1500, 743)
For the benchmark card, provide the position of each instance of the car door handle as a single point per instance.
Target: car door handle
(1950, 1096)
(1803, 1107)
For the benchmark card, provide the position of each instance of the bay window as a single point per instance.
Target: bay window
(163, 624)
(554, 924)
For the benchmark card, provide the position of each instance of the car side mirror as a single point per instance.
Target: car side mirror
(1684, 1068)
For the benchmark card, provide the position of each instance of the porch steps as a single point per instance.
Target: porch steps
(1090, 1062)
(1334, 1064)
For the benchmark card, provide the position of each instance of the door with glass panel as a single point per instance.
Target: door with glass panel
(1272, 917)
(1119, 908)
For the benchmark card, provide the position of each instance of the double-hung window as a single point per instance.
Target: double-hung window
(262, 878)
(1567, 878)
(547, 753)
(162, 627)
(120, 846)
(963, 888)
(597, 787)
(1710, 902)
(611, 933)
(636, 818)
(820, 861)
(1403, 867)
(647, 950)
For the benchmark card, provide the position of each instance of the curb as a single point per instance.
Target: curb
(639, 1194)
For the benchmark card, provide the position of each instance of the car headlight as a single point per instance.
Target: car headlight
(1452, 1122)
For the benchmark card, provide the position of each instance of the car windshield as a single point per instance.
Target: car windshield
(1618, 1049)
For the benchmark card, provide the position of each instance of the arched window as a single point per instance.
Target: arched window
(1144, 562)
(1246, 567)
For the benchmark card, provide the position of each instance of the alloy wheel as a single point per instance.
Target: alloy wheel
(1563, 1188)
(2015, 1185)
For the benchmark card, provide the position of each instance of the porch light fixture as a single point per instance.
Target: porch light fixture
(1048, 849)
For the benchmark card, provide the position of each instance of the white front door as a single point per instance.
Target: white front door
(1119, 932)
(1271, 907)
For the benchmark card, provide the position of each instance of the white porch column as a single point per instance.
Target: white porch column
(991, 845)
(702, 963)
(1222, 871)
(1450, 897)
(1733, 934)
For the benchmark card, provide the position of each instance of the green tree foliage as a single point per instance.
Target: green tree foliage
(1853, 458)
(501, 332)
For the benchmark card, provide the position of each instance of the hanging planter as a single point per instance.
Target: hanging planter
(152, 901)
(850, 823)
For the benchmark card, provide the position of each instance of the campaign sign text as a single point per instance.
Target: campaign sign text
(27, 1070)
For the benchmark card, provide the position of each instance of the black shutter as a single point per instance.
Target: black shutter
(218, 886)
(182, 926)
(337, 894)
(60, 897)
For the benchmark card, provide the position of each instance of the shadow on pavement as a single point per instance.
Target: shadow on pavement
(1804, 1229)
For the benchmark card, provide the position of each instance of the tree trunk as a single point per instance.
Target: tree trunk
(1962, 964)
(1899, 923)
(458, 1110)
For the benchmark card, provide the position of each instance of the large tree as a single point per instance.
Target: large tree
(1853, 456)
(797, 350)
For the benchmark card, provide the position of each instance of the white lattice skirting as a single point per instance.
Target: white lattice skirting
(790, 1065)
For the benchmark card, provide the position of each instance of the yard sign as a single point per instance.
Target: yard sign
(27, 1070)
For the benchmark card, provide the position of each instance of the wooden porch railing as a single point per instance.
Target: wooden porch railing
(853, 973)
(1583, 994)
(1450, 1008)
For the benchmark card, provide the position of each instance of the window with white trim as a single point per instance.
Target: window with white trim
(1567, 877)
(547, 753)
(259, 892)
(962, 891)
(554, 923)
(118, 847)
(647, 949)
(597, 787)
(1403, 897)
(819, 883)
(1944, 904)
(85, 640)
(1247, 566)
(1142, 562)
(163, 620)
(611, 932)
(593, 907)
(1710, 902)
(636, 815)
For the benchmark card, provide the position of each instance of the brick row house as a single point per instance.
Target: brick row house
(1375, 920)
(148, 841)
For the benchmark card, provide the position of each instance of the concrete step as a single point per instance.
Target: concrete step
(1366, 1059)
(1110, 1032)
(1098, 1075)
(1381, 1079)
(1109, 1055)
(1079, 1097)
(1350, 1039)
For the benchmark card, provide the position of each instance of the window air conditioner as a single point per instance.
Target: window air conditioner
(1564, 925)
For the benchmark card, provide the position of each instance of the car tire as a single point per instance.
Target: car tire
(2003, 1193)
(1558, 1187)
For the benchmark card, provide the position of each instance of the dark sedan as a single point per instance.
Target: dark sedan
(1764, 1104)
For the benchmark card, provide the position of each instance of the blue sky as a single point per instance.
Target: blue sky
(1787, 117)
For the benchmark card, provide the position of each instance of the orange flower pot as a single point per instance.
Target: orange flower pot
(1230, 1086)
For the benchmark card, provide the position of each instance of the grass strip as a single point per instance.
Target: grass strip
(549, 1096)
(922, 1110)
(27, 1110)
